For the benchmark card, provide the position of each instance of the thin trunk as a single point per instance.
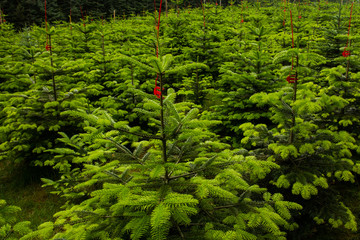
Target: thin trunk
(52, 71)
(296, 77)
(166, 7)
(347, 68)
(179, 230)
(203, 9)
(197, 99)
(348, 64)
(33, 61)
(132, 82)
(103, 52)
(284, 25)
(70, 22)
(162, 121)
(284, 42)
(177, 8)
(293, 119)
(339, 20)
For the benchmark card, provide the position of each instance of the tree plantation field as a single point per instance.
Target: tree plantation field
(203, 123)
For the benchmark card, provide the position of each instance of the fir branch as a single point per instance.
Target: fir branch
(143, 135)
(179, 230)
(125, 150)
(187, 67)
(137, 63)
(115, 176)
(227, 206)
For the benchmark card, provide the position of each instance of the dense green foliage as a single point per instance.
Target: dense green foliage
(27, 12)
(230, 150)
(9, 227)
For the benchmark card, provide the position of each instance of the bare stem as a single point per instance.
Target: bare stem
(162, 121)
(52, 70)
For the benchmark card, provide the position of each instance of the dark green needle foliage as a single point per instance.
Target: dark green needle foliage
(10, 227)
(178, 182)
(76, 101)
(315, 158)
(242, 75)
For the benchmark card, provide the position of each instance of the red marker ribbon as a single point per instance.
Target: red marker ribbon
(346, 53)
(157, 89)
(292, 78)
(47, 46)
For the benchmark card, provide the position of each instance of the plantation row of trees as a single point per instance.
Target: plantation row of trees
(253, 131)
(27, 12)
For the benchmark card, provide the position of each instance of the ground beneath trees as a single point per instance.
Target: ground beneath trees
(38, 204)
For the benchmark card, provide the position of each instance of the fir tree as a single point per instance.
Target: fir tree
(314, 158)
(177, 182)
(242, 75)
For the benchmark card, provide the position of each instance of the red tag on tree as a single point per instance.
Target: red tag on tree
(157, 91)
(346, 53)
(291, 79)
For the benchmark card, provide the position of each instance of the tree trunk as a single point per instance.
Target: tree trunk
(166, 7)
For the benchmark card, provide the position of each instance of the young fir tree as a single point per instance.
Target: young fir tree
(204, 45)
(242, 75)
(341, 81)
(314, 158)
(335, 30)
(176, 28)
(31, 117)
(13, 73)
(177, 182)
